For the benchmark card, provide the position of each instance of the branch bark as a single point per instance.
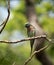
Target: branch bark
(39, 43)
(26, 39)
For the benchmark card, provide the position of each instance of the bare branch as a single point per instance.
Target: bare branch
(5, 22)
(27, 61)
(26, 39)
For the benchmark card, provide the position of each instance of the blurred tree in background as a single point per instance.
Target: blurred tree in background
(15, 30)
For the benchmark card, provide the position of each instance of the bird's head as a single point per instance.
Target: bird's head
(29, 26)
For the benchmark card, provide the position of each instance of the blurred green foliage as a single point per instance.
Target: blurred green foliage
(17, 54)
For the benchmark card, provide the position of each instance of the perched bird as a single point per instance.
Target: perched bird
(31, 33)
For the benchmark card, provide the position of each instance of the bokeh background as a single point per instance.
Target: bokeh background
(15, 30)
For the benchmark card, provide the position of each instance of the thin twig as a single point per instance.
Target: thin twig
(27, 61)
(5, 22)
(2, 23)
(26, 39)
(13, 63)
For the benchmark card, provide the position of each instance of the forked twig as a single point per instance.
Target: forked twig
(27, 61)
(5, 22)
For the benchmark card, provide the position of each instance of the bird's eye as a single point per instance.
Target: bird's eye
(27, 25)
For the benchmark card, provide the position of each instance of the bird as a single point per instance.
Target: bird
(31, 32)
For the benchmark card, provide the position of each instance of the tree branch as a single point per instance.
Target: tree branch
(35, 52)
(5, 22)
(29, 38)
(26, 39)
